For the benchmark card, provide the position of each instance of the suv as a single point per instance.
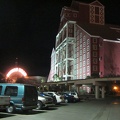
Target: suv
(22, 96)
(59, 98)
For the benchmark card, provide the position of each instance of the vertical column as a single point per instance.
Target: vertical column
(47, 87)
(78, 88)
(103, 91)
(70, 86)
(97, 92)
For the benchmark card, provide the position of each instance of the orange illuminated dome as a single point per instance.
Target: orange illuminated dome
(16, 73)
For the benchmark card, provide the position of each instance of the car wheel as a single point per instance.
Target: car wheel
(39, 105)
(10, 109)
(66, 100)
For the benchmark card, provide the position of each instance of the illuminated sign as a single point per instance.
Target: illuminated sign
(20, 70)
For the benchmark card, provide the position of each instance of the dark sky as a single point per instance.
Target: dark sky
(28, 29)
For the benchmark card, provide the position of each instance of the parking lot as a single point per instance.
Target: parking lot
(102, 109)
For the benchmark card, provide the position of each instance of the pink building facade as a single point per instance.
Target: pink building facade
(85, 45)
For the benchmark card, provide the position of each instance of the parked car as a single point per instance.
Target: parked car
(68, 98)
(23, 97)
(59, 98)
(75, 94)
(46, 94)
(44, 101)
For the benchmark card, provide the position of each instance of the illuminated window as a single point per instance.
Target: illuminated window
(80, 52)
(77, 42)
(80, 71)
(80, 35)
(84, 38)
(84, 57)
(83, 63)
(84, 50)
(80, 40)
(88, 41)
(88, 48)
(80, 64)
(84, 70)
(88, 68)
(83, 44)
(88, 55)
(88, 61)
(77, 54)
(77, 48)
(80, 58)
(80, 46)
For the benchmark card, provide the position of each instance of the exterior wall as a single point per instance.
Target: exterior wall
(52, 67)
(83, 13)
(83, 10)
(82, 52)
(101, 58)
(111, 59)
(95, 57)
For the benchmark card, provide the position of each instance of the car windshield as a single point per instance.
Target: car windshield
(57, 93)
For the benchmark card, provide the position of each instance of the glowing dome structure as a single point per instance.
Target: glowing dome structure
(16, 73)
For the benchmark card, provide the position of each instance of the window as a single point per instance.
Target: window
(80, 35)
(77, 48)
(88, 41)
(84, 63)
(80, 64)
(80, 40)
(80, 58)
(80, 71)
(88, 61)
(95, 68)
(94, 47)
(97, 10)
(94, 40)
(11, 91)
(95, 61)
(84, 38)
(74, 15)
(94, 54)
(77, 42)
(84, 57)
(88, 55)
(83, 44)
(84, 50)
(80, 52)
(80, 46)
(88, 48)
(83, 69)
(88, 68)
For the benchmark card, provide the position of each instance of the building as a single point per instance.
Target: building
(86, 47)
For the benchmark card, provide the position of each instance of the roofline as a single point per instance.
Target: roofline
(111, 41)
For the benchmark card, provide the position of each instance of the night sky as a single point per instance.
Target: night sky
(28, 30)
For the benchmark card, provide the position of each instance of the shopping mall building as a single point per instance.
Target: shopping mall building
(87, 50)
